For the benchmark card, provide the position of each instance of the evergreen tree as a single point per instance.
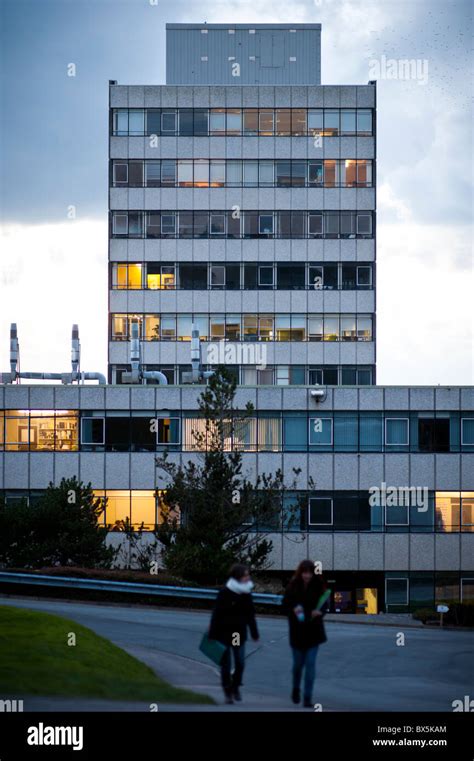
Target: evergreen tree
(212, 515)
(61, 529)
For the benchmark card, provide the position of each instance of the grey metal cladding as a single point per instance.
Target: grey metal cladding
(274, 54)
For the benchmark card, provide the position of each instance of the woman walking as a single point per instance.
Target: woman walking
(233, 613)
(300, 602)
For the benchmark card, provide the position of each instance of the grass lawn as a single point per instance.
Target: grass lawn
(36, 660)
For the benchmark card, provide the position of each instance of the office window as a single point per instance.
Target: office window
(186, 125)
(347, 224)
(233, 174)
(234, 121)
(331, 224)
(168, 327)
(298, 121)
(201, 321)
(168, 172)
(284, 224)
(348, 274)
(364, 377)
(265, 276)
(152, 174)
(331, 122)
(120, 172)
(315, 327)
(201, 224)
(201, 173)
(266, 122)
(217, 224)
(346, 432)
(185, 173)
(185, 228)
(283, 174)
(265, 224)
(201, 121)
(447, 511)
(135, 173)
(348, 121)
(217, 274)
(120, 224)
(283, 121)
(250, 121)
(364, 224)
(250, 326)
(364, 122)
(315, 225)
(320, 431)
(168, 122)
(184, 327)
(217, 327)
(364, 276)
(298, 327)
(233, 225)
(136, 121)
(295, 434)
(331, 327)
(316, 173)
(119, 327)
(153, 224)
(467, 511)
(265, 173)
(283, 327)
(396, 515)
(217, 121)
(269, 434)
(168, 225)
(167, 431)
(128, 276)
(298, 174)
(232, 277)
(159, 277)
(135, 224)
(320, 511)
(315, 120)
(121, 122)
(266, 327)
(364, 328)
(467, 431)
(331, 173)
(396, 432)
(153, 121)
(217, 174)
(92, 430)
(142, 437)
(250, 174)
(348, 327)
(117, 433)
(290, 276)
(370, 432)
(232, 327)
(433, 434)
(152, 327)
(349, 173)
(364, 173)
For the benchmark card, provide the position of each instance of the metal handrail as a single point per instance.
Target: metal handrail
(104, 585)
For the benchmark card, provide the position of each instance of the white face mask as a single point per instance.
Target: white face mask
(239, 587)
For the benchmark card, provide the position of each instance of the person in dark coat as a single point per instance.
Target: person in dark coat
(306, 627)
(233, 613)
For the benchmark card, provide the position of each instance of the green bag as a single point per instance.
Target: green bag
(212, 648)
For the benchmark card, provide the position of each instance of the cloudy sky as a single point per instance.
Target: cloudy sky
(53, 270)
